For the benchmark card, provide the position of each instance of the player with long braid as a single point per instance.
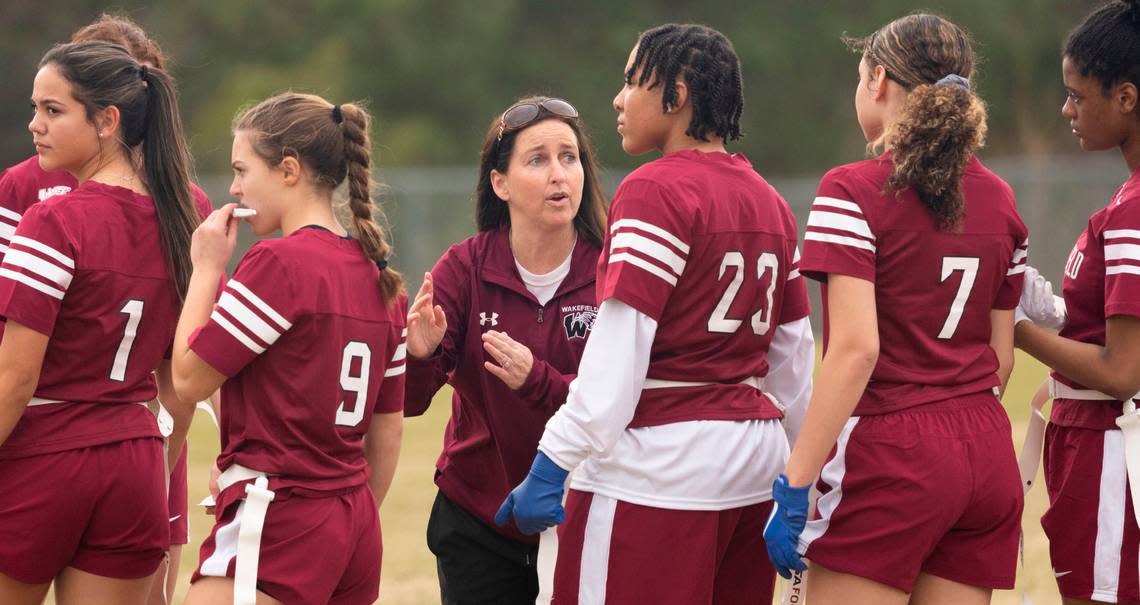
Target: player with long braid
(702, 344)
(307, 345)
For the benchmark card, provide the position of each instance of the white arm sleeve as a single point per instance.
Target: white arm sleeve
(791, 359)
(604, 396)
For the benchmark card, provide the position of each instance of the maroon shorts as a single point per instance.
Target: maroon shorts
(931, 489)
(1093, 537)
(313, 550)
(611, 551)
(100, 509)
(177, 501)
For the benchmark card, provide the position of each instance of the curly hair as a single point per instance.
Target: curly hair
(941, 126)
(706, 60)
(1106, 45)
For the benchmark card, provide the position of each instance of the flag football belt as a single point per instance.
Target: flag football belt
(41, 401)
(1129, 423)
(250, 524)
(756, 382)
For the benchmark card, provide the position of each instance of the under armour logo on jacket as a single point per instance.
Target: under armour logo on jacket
(484, 320)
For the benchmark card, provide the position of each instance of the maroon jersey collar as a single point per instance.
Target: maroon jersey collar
(497, 266)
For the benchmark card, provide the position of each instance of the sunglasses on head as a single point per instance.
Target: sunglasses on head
(520, 114)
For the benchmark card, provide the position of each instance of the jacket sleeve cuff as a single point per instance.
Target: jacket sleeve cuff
(424, 377)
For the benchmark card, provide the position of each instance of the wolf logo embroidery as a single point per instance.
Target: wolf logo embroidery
(578, 320)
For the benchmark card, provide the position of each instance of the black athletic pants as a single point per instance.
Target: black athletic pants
(476, 564)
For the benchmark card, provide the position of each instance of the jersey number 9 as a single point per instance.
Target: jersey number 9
(356, 384)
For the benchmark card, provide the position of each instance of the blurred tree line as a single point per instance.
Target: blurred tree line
(436, 72)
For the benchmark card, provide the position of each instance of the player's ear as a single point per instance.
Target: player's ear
(290, 170)
(1126, 97)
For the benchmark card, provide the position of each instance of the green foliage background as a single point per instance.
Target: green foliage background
(435, 72)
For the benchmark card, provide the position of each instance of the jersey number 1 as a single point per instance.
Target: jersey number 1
(356, 384)
(968, 265)
(762, 319)
(133, 310)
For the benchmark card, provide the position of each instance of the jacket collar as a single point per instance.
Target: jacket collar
(497, 265)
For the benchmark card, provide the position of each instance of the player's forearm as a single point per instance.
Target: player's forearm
(382, 448)
(16, 389)
(187, 370)
(842, 378)
(603, 399)
(1091, 365)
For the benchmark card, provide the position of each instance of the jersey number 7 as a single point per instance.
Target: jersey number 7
(762, 319)
(968, 265)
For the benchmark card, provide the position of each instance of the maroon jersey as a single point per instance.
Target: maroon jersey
(1102, 279)
(87, 269)
(707, 248)
(23, 185)
(312, 351)
(934, 289)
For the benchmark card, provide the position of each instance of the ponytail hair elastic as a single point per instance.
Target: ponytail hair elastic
(338, 117)
(954, 80)
(383, 264)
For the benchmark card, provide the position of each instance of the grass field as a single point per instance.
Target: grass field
(408, 576)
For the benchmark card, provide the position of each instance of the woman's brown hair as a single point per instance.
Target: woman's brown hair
(126, 33)
(101, 75)
(332, 141)
(941, 126)
(491, 212)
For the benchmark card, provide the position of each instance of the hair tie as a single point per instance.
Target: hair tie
(954, 80)
(383, 264)
(144, 72)
(337, 116)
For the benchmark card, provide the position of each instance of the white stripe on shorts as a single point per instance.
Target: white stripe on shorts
(595, 563)
(225, 546)
(832, 474)
(1110, 519)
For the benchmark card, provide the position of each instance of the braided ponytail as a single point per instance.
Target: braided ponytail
(358, 155)
(332, 140)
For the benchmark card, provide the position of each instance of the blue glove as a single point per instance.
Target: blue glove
(786, 523)
(536, 503)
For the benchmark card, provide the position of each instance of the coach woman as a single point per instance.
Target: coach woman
(503, 317)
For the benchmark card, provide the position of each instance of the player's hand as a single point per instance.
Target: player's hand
(427, 323)
(536, 503)
(214, 240)
(785, 524)
(1038, 303)
(514, 359)
(215, 492)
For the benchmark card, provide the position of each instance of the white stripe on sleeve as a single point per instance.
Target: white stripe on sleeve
(248, 319)
(623, 257)
(38, 266)
(1122, 234)
(236, 333)
(20, 240)
(7, 231)
(395, 370)
(840, 222)
(650, 248)
(829, 238)
(1117, 269)
(9, 215)
(260, 304)
(836, 203)
(32, 283)
(401, 353)
(1122, 252)
(650, 228)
